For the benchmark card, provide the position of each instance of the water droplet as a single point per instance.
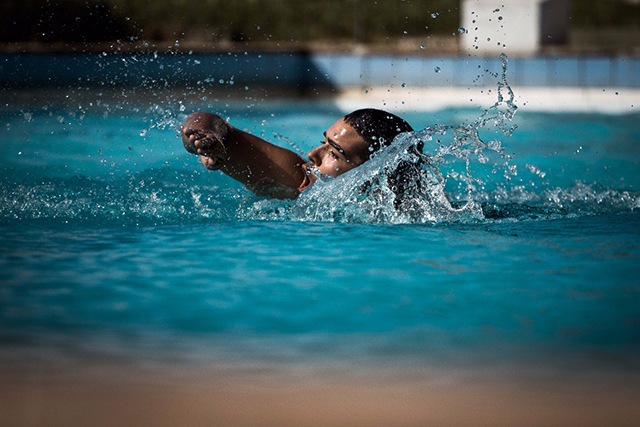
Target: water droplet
(143, 132)
(437, 69)
(434, 15)
(422, 46)
(533, 169)
(462, 30)
(405, 85)
(494, 145)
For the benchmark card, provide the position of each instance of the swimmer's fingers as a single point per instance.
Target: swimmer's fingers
(197, 141)
(209, 145)
(211, 163)
(188, 140)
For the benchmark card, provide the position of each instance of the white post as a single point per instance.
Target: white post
(512, 26)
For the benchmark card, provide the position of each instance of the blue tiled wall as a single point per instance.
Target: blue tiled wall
(305, 70)
(566, 71)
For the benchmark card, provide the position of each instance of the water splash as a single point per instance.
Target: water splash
(433, 175)
(421, 178)
(162, 118)
(171, 197)
(291, 144)
(406, 182)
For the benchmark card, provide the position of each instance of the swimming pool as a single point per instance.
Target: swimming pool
(119, 248)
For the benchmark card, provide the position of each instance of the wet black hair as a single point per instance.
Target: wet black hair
(379, 128)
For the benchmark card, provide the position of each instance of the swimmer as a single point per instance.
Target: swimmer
(272, 171)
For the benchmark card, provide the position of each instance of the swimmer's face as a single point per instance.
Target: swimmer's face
(342, 150)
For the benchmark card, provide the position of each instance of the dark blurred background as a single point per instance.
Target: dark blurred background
(596, 25)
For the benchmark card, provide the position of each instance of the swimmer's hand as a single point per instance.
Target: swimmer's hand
(210, 149)
(265, 168)
(205, 136)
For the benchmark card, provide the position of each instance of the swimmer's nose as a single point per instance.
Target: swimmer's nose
(314, 157)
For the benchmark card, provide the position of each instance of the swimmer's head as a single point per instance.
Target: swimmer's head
(350, 141)
(379, 128)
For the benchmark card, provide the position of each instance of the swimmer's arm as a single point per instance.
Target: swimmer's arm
(266, 169)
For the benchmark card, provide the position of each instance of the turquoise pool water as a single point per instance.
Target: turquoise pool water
(116, 244)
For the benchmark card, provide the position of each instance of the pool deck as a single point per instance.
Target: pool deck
(538, 99)
(104, 395)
